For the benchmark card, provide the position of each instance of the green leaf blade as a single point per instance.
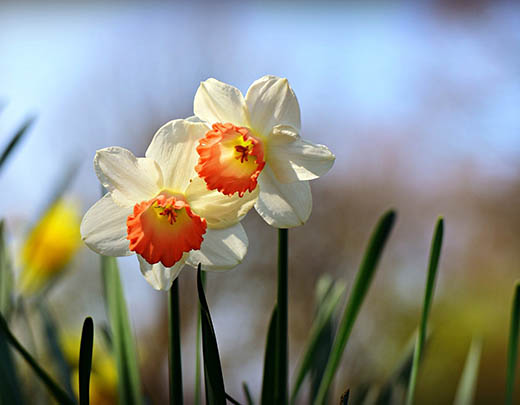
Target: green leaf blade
(468, 381)
(85, 360)
(215, 391)
(15, 140)
(268, 380)
(129, 385)
(433, 265)
(362, 283)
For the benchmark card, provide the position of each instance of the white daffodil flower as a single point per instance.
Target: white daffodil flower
(253, 142)
(158, 208)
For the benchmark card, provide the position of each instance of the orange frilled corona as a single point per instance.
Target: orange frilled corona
(230, 159)
(164, 228)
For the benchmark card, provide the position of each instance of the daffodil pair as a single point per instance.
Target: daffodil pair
(182, 203)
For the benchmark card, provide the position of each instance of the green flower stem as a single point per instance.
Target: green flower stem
(198, 380)
(281, 330)
(174, 345)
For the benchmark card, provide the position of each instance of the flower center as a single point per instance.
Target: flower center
(164, 228)
(230, 159)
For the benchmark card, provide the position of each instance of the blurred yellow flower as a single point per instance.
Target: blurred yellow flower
(103, 377)
(50, 246)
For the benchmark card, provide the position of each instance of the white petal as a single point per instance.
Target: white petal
(283, 205)
(159, 276)
(128, 179)
(294, 159)
(216, 101)
(219, 210)
(271, 102)
(103, 228)
(173, 147)
(221, 249)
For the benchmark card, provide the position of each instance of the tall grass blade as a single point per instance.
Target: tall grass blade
(174, 323)
(435, 253)
(215, 391)
(282, 344)
(468, 381)
(361, 284)
(512, 350)
(198, 380)
(328, 300)
(247, 393)
(129, 386)
(59, 394)
(17, 137)
(268, 380)
(85, 360)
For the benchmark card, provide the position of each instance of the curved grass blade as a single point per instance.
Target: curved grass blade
(129, 385)
(468, 381)
(435, 253)
(15, 140)
(357, 296)
(512, 350)
(328, 303)
(85, 360)
(215, 391)
(247, 393)
(232, 400)
(198, 380)
(282, 344)
(10, 392)
(59, 394)
(268, 380)
(175, 362)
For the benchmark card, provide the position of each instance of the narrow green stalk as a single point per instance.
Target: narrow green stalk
(468, 380)
(198, 380)
(280, 394)
(357, 296)
(435, 253)
(175, 345)
(512, 350)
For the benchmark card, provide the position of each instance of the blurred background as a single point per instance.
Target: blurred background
(418, 100)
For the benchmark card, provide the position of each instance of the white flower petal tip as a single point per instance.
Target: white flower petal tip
(271, 101)
(216, 101)
(127, 178)
(103, 228)
(222, 249)
(294, 159)
(283, 205)
(159, 277)
(173, 148)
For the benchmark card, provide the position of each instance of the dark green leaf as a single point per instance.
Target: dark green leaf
(215, 391)
(15, 140)
(175, 345)
(361, 284)
(129, 386)
(329, 296)
(268, 380)
(512, 350)
(85, 360)
(61, 396)
(435, 253)
(198, 380)
(281, 370)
